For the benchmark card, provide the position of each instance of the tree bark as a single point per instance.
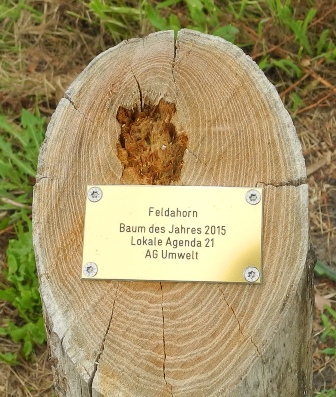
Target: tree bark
(150, 339)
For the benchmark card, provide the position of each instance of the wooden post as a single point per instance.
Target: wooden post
(225, 126)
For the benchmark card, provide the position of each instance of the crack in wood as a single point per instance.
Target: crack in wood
(257, 348)
(164, 344)
(102, 346)
(68, 97)
(239, 325)
(196, 157)
(294, 183)
(173, 65)
(140, 92)
(40, 178)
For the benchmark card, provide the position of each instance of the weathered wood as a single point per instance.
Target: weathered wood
(151, 339)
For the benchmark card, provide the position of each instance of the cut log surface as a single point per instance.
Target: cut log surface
(227, 127)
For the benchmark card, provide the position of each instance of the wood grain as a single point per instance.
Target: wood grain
(110, 338)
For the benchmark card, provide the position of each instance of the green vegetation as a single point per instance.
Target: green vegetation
(322, 269)
(21, 290)
(123, 21)
(329, 322)
(202, 15)
(328, 336)
(119, 19)
(19, 146)
(327, 393)
(284, 37)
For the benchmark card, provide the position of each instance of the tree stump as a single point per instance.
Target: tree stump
(225, 126)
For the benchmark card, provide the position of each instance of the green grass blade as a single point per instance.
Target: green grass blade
(322, 269)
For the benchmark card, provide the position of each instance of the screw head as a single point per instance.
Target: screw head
(253, 197)
(251, 274)
(95, 194)
(90, 269)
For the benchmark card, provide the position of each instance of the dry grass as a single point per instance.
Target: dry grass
(317, 132)
(27, 379)
(44, 54)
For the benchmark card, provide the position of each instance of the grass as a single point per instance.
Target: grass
(329, 322)
(19, 147)
(328, 337)
(48, 44)
(326, 393)
(21, 290)
(297, 27)
(203, 16)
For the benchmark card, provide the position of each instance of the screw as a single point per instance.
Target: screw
(90, 269)
(253, 197)
(95, 194)
(251, 274)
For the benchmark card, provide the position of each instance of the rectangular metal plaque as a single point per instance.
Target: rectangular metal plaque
(173, 233)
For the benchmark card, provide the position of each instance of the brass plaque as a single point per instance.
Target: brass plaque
(173, 233)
